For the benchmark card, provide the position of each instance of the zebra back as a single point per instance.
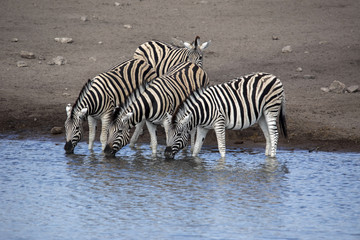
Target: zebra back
(162, 56)
(111, 88)
(241, 101)
(165, 93)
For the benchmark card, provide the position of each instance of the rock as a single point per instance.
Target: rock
(116, 4)
(299, 69)
(21, 64)
(26, 54)
(323, 42)
(128, 26)
(59, 60)
(325, 89)
(56, 130)
(353, 88)
(308, 76)
(14, 40)
(84, 18)
(64, 40)
(287, 49)
(51, 62)
(275, 37)
(337, 87)
(66, 94)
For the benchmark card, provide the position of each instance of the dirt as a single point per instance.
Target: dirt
(247, 36)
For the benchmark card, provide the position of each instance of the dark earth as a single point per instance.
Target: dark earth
(247, 36)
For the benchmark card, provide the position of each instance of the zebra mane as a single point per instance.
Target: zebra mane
(85, 89)
(181, 108)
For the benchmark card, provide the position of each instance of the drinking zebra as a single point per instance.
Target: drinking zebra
(160, 96)
(101, 94)
(238, 104)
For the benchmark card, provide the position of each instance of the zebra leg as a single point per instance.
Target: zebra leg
(220, 136)
(105, 121)
(273, 133)
(153, 140)
(192, 134)
(138, 131)
(264, 127)
(200, 137)
(92, 131)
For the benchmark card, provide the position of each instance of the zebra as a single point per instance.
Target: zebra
(160, 96)
(237, 104)
(101, 94)
(162, 56)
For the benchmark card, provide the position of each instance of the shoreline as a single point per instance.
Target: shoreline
(247, 142)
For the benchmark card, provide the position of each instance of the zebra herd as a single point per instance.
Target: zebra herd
(166, 85)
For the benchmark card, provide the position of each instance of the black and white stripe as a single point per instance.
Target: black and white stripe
(162, 56)
(99, 95)
(98, 98)
(238, 104)
(160, 96)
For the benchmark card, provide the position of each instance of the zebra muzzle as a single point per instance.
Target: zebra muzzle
(108, 151)
(69, 147)
(169, 152)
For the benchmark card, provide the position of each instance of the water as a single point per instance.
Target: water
(46, 194)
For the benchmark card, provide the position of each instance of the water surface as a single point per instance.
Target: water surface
(46, 194)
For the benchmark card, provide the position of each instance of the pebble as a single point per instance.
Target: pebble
(287, 49)
(59, 60)
(66, 94)
(26, 54)
(128, 26)
(116, 4)
(299, 69)
(56, 130)
(308, 76)
(325, 89)
(14, 40)
(21, 64)
(64, 40)
(337, 87)
(353, 88)
(93, 59)
(274, 37)
(84, 18)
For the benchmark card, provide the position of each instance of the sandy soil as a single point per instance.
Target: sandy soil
(324, 36)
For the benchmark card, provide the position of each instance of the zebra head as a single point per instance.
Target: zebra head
(73, 127)
(178, 135)
(195, 54)
(118, 132)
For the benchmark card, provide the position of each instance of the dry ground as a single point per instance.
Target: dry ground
(324, 36)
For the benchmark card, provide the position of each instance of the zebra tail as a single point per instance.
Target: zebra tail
(282, 119)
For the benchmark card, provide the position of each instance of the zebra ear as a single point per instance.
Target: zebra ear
(68, 109)
(83, 113)
(197, 42)
(186, 119)
(205, 45)
(187, 45)
(127, 116)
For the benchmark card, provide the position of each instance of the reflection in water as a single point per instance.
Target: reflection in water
(49, 195)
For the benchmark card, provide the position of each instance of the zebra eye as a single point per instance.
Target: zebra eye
(77, 128)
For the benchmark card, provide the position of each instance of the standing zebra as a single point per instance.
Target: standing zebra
(237, 104)
(101, 94)
(162, 56)
(160, 96)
